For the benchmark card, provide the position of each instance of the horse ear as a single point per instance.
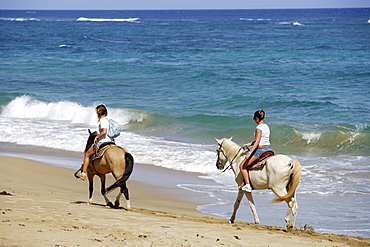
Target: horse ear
(217, 140)
(89, 131)
(230, 138)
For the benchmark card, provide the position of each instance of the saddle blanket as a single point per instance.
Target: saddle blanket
(101, 151)
(259, 164)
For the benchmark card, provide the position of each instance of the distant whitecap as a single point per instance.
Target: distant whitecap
(296, 23)
(102, 19)
(20, 19)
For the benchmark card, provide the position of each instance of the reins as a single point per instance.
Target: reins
(231, 162)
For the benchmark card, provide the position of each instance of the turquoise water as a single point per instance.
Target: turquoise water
(176, 79)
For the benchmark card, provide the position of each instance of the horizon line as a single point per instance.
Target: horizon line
(188, 9)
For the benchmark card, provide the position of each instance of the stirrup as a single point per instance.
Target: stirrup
(76, 173)
(81, 175)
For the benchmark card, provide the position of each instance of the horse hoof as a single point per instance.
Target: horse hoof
(109, 204)
(116, 204)
(289, 227)
(231, 221)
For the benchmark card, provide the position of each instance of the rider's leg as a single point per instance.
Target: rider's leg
(243, 169)
(87, 155)
(244, 172)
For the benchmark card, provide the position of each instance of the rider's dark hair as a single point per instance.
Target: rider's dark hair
(102, 111)
(260, 114)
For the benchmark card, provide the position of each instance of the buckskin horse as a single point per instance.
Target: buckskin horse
(280, 174)
(115, 160)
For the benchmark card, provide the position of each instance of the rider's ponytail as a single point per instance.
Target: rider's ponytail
(260, 114)
(102, 111)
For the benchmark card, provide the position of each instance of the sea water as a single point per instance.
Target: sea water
(176, 79)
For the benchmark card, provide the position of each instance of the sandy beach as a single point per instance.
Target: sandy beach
(43, 205)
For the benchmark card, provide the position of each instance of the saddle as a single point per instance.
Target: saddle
(261, 162)
(104, 147)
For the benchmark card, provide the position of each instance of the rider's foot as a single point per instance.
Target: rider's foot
(81, 176)
(247, 188)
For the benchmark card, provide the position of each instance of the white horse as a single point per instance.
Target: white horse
(280, 174)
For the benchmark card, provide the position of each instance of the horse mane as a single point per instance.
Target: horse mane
(229, 144)
(90, 140)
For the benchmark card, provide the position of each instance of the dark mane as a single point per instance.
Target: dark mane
(90, 140)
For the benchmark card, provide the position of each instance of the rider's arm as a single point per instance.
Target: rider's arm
(247, 145)
(256, 143)
(102, 133)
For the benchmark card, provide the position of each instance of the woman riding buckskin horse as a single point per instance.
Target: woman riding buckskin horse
(101, 138)
(260, 145)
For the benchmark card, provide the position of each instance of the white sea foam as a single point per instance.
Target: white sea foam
(259, 19)
(25, 107)
(296, 23)
(19, 19)
(102, 19)
(63, 125)
(308, 136)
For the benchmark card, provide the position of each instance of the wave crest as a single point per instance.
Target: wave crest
(337, 139)
(112, 19)
(308, 136)
(26, 107)
(19, 19)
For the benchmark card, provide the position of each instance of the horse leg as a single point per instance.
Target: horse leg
(252, 206)
(236, 205)
(292, 208)
(124, 190)
(116, 203)
(290, 203)
(102, 191)
(91, 189)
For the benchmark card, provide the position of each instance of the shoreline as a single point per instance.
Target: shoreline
(47, 206)
(158, 180)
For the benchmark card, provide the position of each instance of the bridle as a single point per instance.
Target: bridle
(220, 150)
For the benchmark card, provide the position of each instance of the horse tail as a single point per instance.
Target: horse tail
(295, 178)
(128, 170)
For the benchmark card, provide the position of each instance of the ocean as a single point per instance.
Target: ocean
(176, 79)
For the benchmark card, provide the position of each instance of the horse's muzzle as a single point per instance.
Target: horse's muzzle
(219, 165)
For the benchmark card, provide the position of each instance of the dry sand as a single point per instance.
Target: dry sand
(43, 205)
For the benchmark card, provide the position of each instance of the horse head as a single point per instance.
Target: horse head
(90, 140)
(221, 156)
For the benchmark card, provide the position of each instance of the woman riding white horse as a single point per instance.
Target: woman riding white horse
(280, 174)
(260, 145)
